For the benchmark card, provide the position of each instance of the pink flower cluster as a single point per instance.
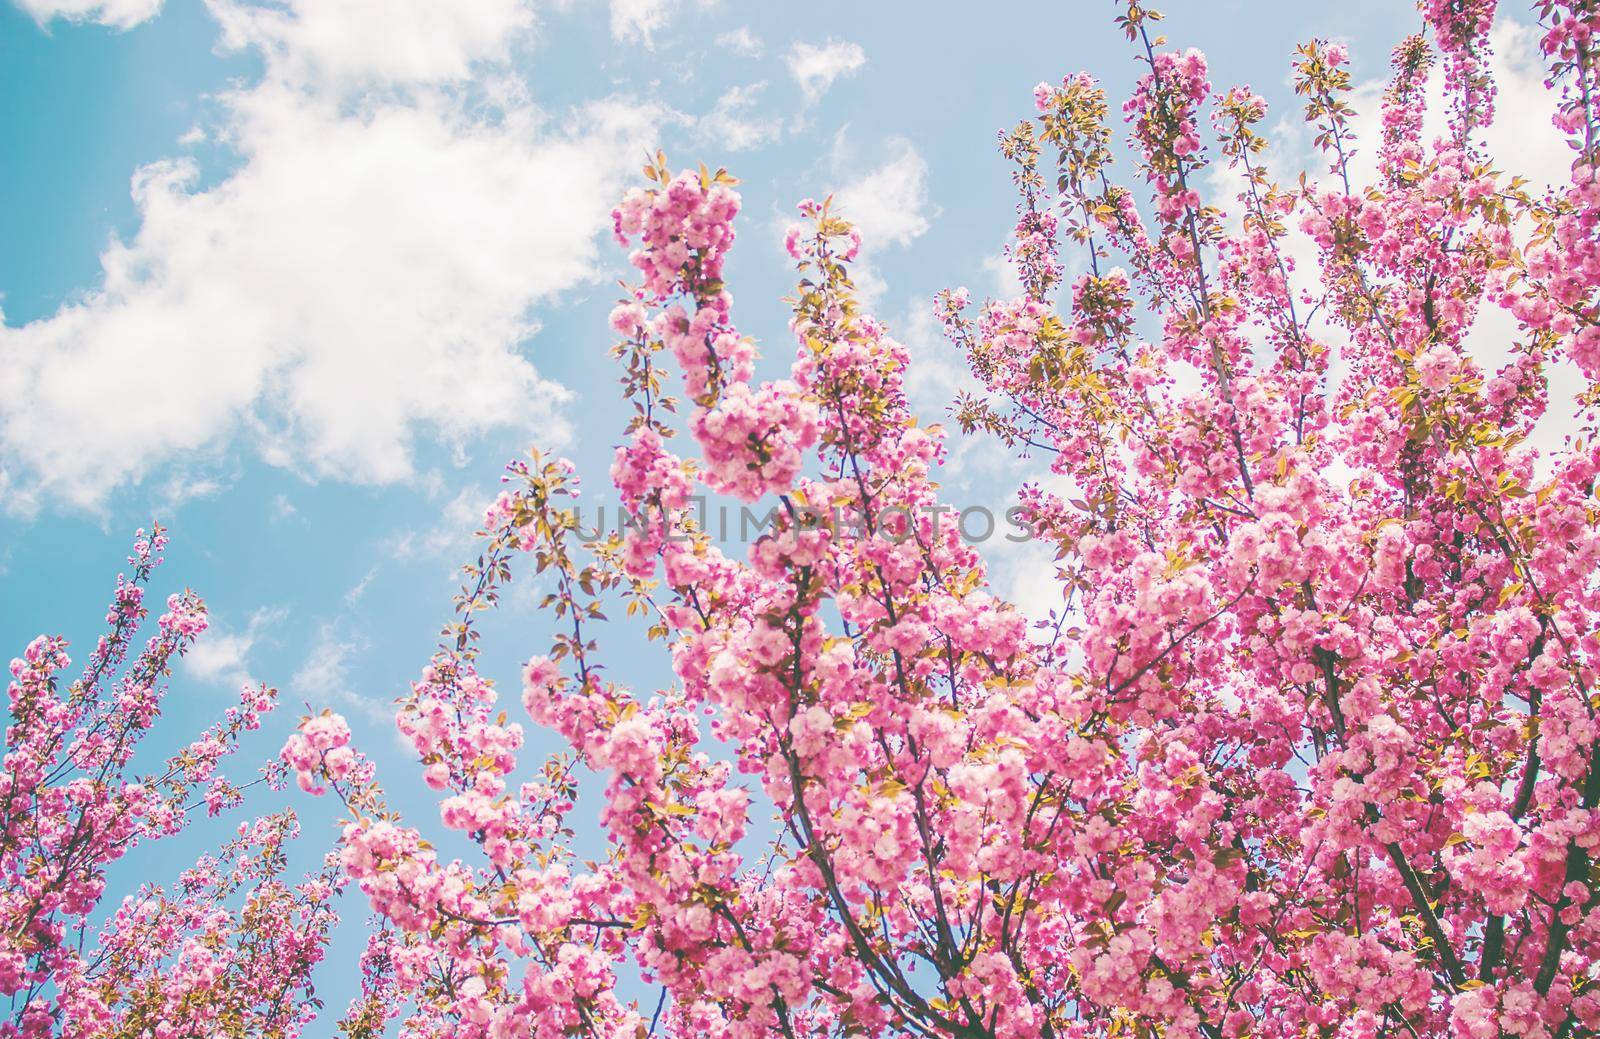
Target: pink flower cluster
(754, 441)
(684, 228)
(320, 748)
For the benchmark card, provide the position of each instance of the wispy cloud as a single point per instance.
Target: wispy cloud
(324, 676)
(741, 41)
(734, 123)
(638, 20)
(183, 485)
(458, 520)
(815, 67)
(359, 589)
(222, 656)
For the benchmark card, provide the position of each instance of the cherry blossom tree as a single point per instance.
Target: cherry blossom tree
(1309, 745)
(229, 949)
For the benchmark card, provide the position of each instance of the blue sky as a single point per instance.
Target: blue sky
(297, 278)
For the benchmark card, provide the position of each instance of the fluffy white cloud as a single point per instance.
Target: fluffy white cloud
(119, 14)
(815, 67)
(1024, 573)
(888, 204)
(182, 485)
(356, 591)
(367, 273)
(733, 124)
(219, 657)
(1521, 139)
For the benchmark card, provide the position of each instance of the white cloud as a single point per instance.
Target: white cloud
(118, 14)
(888, 204)
(221, 656)
(183, 485)
(1025, 573)
(1521, 138)
(731, 124)
(374, 41)
(324, 676)
(815, 67)
(461, 517)
(1006, 284)
(1522, 141)
(741, 41)
(325, 671)
(359, 589)
(977, 466)
(366, 274)
(637, 20)
(1523, 135)
(937, 373)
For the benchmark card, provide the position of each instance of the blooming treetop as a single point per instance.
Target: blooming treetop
(1310, 747)
(230, 949)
